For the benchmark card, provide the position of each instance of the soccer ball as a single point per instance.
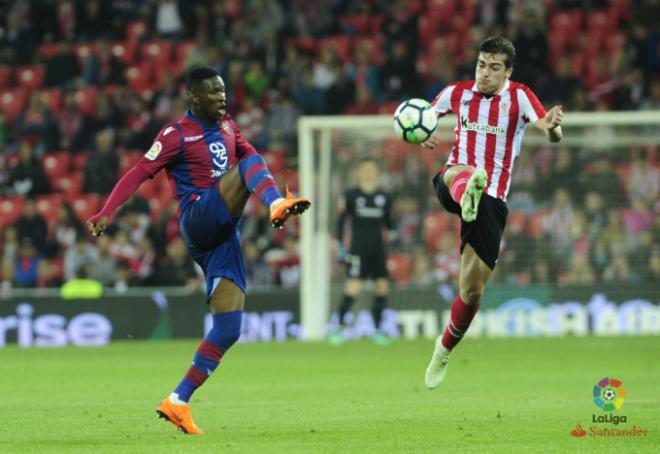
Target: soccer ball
(609, 394)
(415, 120)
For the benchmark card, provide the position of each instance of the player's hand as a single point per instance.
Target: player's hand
(432, 142)
(554, 117)
(97, 224)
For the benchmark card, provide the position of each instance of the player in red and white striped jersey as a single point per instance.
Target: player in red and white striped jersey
(492, 113)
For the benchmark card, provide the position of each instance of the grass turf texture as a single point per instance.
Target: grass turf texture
(500, 395)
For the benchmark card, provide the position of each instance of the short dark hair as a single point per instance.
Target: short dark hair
(196, 75)
(499, 45)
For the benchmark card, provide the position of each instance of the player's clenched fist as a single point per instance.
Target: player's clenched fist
(97, 225)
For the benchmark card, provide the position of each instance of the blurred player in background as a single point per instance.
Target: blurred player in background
(369, 210)
(492, 114)
(212, 170)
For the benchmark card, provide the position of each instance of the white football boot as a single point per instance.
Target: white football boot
(437, 368)
(472, 195)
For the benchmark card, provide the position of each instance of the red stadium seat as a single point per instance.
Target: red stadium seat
(124, 50)
(48, 50)
(6, 76)
(136, 30)
(83, 51)
(181, 50)
(232, 8)
(12, 101)
(139, 77)
(86, 100)
(400, 267)
(70, 185)
(441, 12)
(85, 205)
(30, 76)
(10, 209)
(276, 160)
(54, 98)
(436, 224)
(159, 51)
(601, 21)
(375, 46)
(359, 23)
(48, 206)
(568, 23)
(57, 164)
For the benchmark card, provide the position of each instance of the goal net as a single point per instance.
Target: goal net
(582, 212)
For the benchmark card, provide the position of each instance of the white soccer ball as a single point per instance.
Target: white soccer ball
(609, 394)
(415, 120)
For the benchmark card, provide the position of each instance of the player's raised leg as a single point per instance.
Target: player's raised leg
(466, 186)
(473, 277)
(258, 179)
(226, 305)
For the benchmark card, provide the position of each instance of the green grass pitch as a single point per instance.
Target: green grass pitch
(500, 395)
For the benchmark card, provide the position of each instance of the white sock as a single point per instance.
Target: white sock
(174, 398)
(276, 201)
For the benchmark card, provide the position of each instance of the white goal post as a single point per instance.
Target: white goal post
(315, 170)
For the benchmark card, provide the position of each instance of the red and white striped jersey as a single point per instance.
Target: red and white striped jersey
(489, 130)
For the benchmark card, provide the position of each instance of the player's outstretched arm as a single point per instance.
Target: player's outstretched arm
(124, 188)
(551, 124)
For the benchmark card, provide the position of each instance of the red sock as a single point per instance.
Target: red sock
(458, 186)
(461, 317)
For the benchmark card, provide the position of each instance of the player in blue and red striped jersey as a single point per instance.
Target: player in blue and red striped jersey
(492, 114)
(212, 171)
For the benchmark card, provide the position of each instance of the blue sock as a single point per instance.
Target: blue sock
(258, 179)
(225, 332)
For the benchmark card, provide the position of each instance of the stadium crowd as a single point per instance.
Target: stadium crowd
(86, 85)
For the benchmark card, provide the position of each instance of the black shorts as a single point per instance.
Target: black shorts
(485, 233)
(367, 263)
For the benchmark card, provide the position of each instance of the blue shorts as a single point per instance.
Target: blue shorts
(213, 238)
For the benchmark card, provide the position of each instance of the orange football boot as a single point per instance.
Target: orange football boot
(179, 415)
(281, 211)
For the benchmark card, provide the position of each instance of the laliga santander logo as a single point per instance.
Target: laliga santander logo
(609, 394)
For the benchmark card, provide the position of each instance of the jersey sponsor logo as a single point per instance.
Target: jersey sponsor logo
(168, 130)
(479, 127)
(193, 138)
(369, 212)
(219, 158)
(153, 152)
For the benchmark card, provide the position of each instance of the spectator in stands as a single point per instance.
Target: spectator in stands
(340, 94)
(637, 218)
(166, 229)
(235, 80)
(281, 124)
(66, 230)
(517, 249)
(93, 20)
(564, 174)
(557, 224)
(363, 73)
(446, 261)
(101, 168)
(19, 40)
(143, 264)
(602, 179)
(177, 268)
(644, 179)
(122, 277)
(324, 69)
(63, 68)
(105, 264)
(106, 116)
(198, 53)
(400, 25)
(396, 80)
(531, 43)
(308, 97)
(364, 103)
(561, 86)
(579, 271)
(619, 271)
(81, 253)
(102, 68)
(27, 176)
(256, 79)
(255, 228)
(4, 132)
(71, 125)
(615, 234)
(250, 121)
(599, 257)
(122, 249)
(166, 19)
(652, 101)
(25, 270)
(422, 273)
(652, 270)
(286, 264)
(37, 125)
(10, 244)
(32, 226)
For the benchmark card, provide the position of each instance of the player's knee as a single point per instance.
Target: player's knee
(472, 294)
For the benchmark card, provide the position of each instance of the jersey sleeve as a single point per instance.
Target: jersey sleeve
(442, 103)
(531, 108)
(243, 147)
(163, 151)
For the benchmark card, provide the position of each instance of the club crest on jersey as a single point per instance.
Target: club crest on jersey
(226, 127)
(153, 152)
(504, 106)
